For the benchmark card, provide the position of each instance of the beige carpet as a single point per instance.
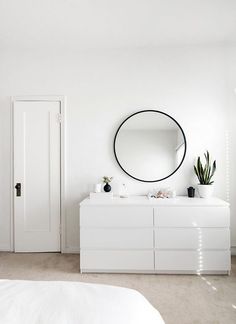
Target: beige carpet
(180, 299)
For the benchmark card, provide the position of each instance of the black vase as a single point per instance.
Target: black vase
(107, 187)
(191, 192)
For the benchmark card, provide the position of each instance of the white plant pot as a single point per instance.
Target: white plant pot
(205, 191)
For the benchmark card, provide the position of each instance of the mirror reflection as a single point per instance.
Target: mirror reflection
(150, 146)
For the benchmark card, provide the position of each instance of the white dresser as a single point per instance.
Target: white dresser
(180, 235)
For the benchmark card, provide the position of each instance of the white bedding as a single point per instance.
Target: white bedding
(60, 302)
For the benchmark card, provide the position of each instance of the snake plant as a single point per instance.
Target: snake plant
(206, 172)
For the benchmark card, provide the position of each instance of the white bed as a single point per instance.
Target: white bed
(60, 302)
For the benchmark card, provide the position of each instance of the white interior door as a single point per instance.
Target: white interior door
(37, 176)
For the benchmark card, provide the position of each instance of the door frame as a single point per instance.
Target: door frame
(62, 101)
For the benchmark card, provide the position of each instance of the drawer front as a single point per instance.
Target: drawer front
(97, 238)
(192, 260)
(116, 260)
(192, 238)
(192, 217)
(117, 216)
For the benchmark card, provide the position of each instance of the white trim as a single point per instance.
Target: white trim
(38, 98)
(11, 178)
(63, 173)
(72, 249)
(62, 100)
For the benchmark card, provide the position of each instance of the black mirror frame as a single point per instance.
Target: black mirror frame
(139, 112)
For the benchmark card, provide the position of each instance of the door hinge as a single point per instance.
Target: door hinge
(60, 229)
(59, 118)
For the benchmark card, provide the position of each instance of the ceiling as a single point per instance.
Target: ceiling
(84, 24)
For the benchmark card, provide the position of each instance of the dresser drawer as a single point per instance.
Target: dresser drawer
(116, 260)
(136, 238)
(192, 261)
(192, 238)
(116, 216)
(192, 217)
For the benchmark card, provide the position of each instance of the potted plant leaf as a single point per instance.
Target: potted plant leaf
(205, 174)
(107, 180)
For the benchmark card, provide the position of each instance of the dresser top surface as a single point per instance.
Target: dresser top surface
(153, 202)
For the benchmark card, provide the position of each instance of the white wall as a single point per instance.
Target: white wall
(102, 89)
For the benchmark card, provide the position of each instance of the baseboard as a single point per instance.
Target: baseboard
(5, 248)
(233, 250)
(71, 249)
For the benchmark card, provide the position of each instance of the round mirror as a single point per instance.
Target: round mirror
(150, 146)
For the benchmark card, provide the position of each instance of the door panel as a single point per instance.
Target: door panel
(37, 169)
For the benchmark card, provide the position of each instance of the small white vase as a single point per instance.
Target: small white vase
(98, 187)
(205, 191)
